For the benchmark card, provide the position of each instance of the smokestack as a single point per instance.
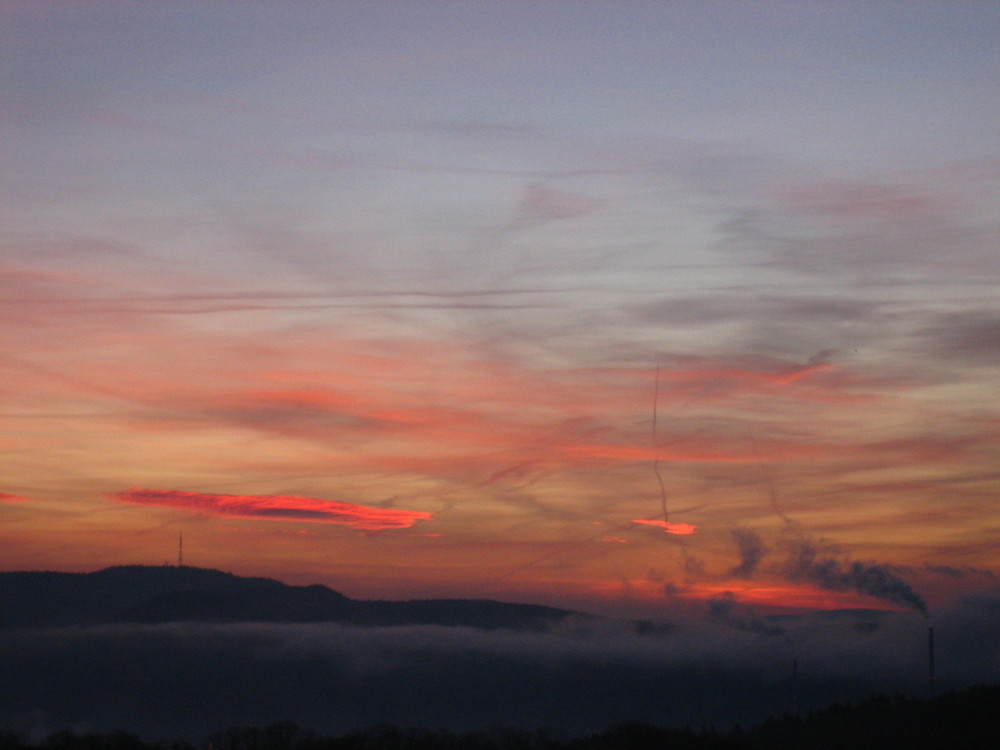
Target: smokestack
(931, 676)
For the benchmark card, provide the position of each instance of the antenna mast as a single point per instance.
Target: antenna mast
(180, 550)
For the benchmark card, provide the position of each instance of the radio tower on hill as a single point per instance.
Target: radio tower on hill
(180, 550)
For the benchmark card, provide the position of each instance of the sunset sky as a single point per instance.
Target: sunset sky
(424, 299)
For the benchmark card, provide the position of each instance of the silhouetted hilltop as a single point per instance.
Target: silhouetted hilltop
(175, 594)
(47, 599)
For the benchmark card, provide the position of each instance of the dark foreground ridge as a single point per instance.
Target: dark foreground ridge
(162, 594)
(969, 719)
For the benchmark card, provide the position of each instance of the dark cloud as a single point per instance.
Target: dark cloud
(733, 308)
(972, 336)
(742, 617)
(873, 244)
(928, 230)
(752, 551)
(694, 568)
(963, 572)
(777, 325)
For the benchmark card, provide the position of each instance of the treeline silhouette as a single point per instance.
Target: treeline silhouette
(969, 720)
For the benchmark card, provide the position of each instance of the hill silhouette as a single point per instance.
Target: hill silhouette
(160, 594)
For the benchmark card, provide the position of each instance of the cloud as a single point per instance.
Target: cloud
(541, 205)
(873, 234)
(725, 609)
(277, 508)
(784, 325)
(752, 551)
(971, 336)
(680, 529)
(862, 200)
(712, 308)
(705, 379)
(964, 572)
(8, 498)
(734, 378)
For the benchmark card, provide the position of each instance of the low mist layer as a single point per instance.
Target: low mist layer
(731, 665)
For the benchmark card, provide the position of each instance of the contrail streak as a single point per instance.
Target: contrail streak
(656, 461)
(682, 529)
(768, 475)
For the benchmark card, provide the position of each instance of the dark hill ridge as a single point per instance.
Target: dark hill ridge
(140, 594)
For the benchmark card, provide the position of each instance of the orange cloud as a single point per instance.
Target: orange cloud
(277, 508)
(680, 529)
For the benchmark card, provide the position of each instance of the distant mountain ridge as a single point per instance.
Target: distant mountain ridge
(160, 594)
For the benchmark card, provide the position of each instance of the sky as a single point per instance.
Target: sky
(626, 306)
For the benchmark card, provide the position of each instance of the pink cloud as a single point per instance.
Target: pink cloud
(541, 204)
(277, 508)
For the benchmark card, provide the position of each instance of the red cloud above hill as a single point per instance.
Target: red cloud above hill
(277, 508)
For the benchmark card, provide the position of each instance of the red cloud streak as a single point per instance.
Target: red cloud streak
(681, 529)
(277, 508)
(5, 498)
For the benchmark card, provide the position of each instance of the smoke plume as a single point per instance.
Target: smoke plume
(806, 563)
(751, 550)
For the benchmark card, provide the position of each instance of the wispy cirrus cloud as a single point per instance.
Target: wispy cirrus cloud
(541, 204)
(865, 200)
(971, 336)
(891, 232)
(277, 508)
